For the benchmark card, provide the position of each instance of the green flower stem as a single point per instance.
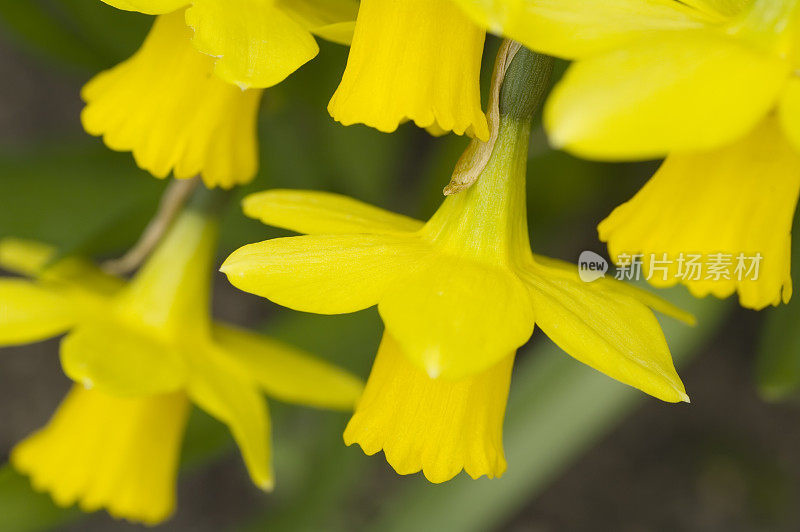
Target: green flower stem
(209, 202)
(525, 85)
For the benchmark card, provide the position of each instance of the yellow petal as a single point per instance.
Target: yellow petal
(105, 452)
(667, 92)
(256, 43)
(579, 28)
(33, 259)
(455, 317)
(287, 373)
(333, 20)
(789, 111)
(613, 285)
(30, 312)
(413, 60)
(164, 105)
(326, 274)
(605, 329)
(312, 212)
(149, 7)
(437, 426)
(25, 257)
(119, 360)
(225, 393)
(739, 199)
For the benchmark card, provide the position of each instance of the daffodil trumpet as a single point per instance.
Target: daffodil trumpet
(141, 352)
(417, 60)
(458, 295)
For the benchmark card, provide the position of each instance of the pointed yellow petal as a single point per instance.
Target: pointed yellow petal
(121, 360)
(227, 394)
(312, 212)
(579, 28)
(288, 373)
(333, 20)
(651, 300)
(31, 312)
(738, 200)
(434, 425)
(149, 7)
(605, 329)
(667, 92)
(164, 105)
(106, 452)
(326, 274)
(456, 318)
(256, 44)
(413, 60)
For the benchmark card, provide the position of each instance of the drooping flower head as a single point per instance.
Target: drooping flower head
(187, 102)
(710, 84)
(141, 352)
(458, 295)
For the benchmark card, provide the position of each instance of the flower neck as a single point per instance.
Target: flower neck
(488, 221)
(173, 288)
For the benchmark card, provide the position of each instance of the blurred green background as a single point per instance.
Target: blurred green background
(584, 452)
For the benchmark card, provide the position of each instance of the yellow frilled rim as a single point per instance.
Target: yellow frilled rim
(415, 60)
(436, 426)
(717, 221)
(166, 107)
(105, 452)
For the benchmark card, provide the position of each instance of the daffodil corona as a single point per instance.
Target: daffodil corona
(141, 353)
(710, 84)
(414, 60)
(187, 101)
(458, 295)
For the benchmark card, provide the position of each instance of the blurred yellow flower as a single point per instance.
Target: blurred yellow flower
(187, 101)
(144, 349)
(458, 295)
(414, 60)
(117, 453)
(712, 85)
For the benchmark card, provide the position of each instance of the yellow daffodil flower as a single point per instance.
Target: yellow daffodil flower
(187, 101)
(141, 353)
(458, 295)
(710, 84)
(414, 60)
